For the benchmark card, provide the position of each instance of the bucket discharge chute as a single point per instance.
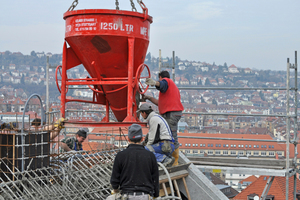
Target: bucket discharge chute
(111, 45)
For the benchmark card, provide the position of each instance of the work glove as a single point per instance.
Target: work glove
(113, 192)
(146, 97)
(150, 81)
(59, 123)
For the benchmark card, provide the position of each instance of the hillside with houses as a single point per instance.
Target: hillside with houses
(22, 75)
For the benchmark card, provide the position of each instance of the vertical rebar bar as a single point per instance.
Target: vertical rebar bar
(287, 127)
(47, 86)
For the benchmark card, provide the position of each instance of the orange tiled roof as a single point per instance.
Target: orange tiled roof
(277, 188)
(249, 179)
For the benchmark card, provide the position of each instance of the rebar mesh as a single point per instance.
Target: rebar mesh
(75, 175)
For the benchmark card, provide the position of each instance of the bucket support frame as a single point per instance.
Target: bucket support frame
(129, 82)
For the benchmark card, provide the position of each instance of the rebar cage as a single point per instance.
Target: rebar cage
(75, 175)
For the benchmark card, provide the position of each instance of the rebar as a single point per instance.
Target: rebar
(76, 175)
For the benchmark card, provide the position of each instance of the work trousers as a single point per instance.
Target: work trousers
(172, 119)
(129, 197)
(157, 150)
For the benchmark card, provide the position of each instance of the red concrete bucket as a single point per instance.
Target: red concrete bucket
(111, 45)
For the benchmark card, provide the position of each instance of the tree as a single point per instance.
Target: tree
(207, 82)
(214, 102)
(33, 53)
(22, 79)
(199, 82)
(148, 56)
(7, 53)
(202, 100)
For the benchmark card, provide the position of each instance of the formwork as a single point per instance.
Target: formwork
(36, 151)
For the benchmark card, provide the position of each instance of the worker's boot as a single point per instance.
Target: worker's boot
(175, 154)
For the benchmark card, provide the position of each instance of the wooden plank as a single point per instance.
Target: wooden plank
(175, 168)
(176, 188)
(186, 189)
(173, 176)
(165, 189)
(162, 192)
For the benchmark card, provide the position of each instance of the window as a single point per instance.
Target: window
(263, 153)
(218, 152)
(193, 145)
(209, 152)
(241, 153)
(242, 145)
(180, 144)
(272, 146)
(269, 146)
(254, 146)
(256, 153)
(271, 153)
(265, 146)
(231, 145)
(225, 152)
(186, 145)
(224, 145)
(200, 145)
(234, 145)
(189, 145)
(246, 145)
(232, 152)
(187, 151)
(196, 145)
(208, 145)
(262, 146)
(211, 145)
(201, 151)
(239, 145)
(279, 153)
(249, 145)
(204, 145)
(217, 145)
(195, 151)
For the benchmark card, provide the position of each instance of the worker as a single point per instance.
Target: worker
(169, 105)
(159, 139)
(73, 143)
(135, 171)
(54, 129)
(8, 126)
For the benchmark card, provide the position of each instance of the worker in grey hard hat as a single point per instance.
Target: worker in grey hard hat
(159, 139)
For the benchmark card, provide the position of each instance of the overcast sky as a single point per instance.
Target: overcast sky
(259, 34)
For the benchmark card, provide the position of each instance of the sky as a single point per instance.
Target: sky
(256, 34)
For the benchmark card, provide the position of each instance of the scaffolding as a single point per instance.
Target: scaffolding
(291, 168)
